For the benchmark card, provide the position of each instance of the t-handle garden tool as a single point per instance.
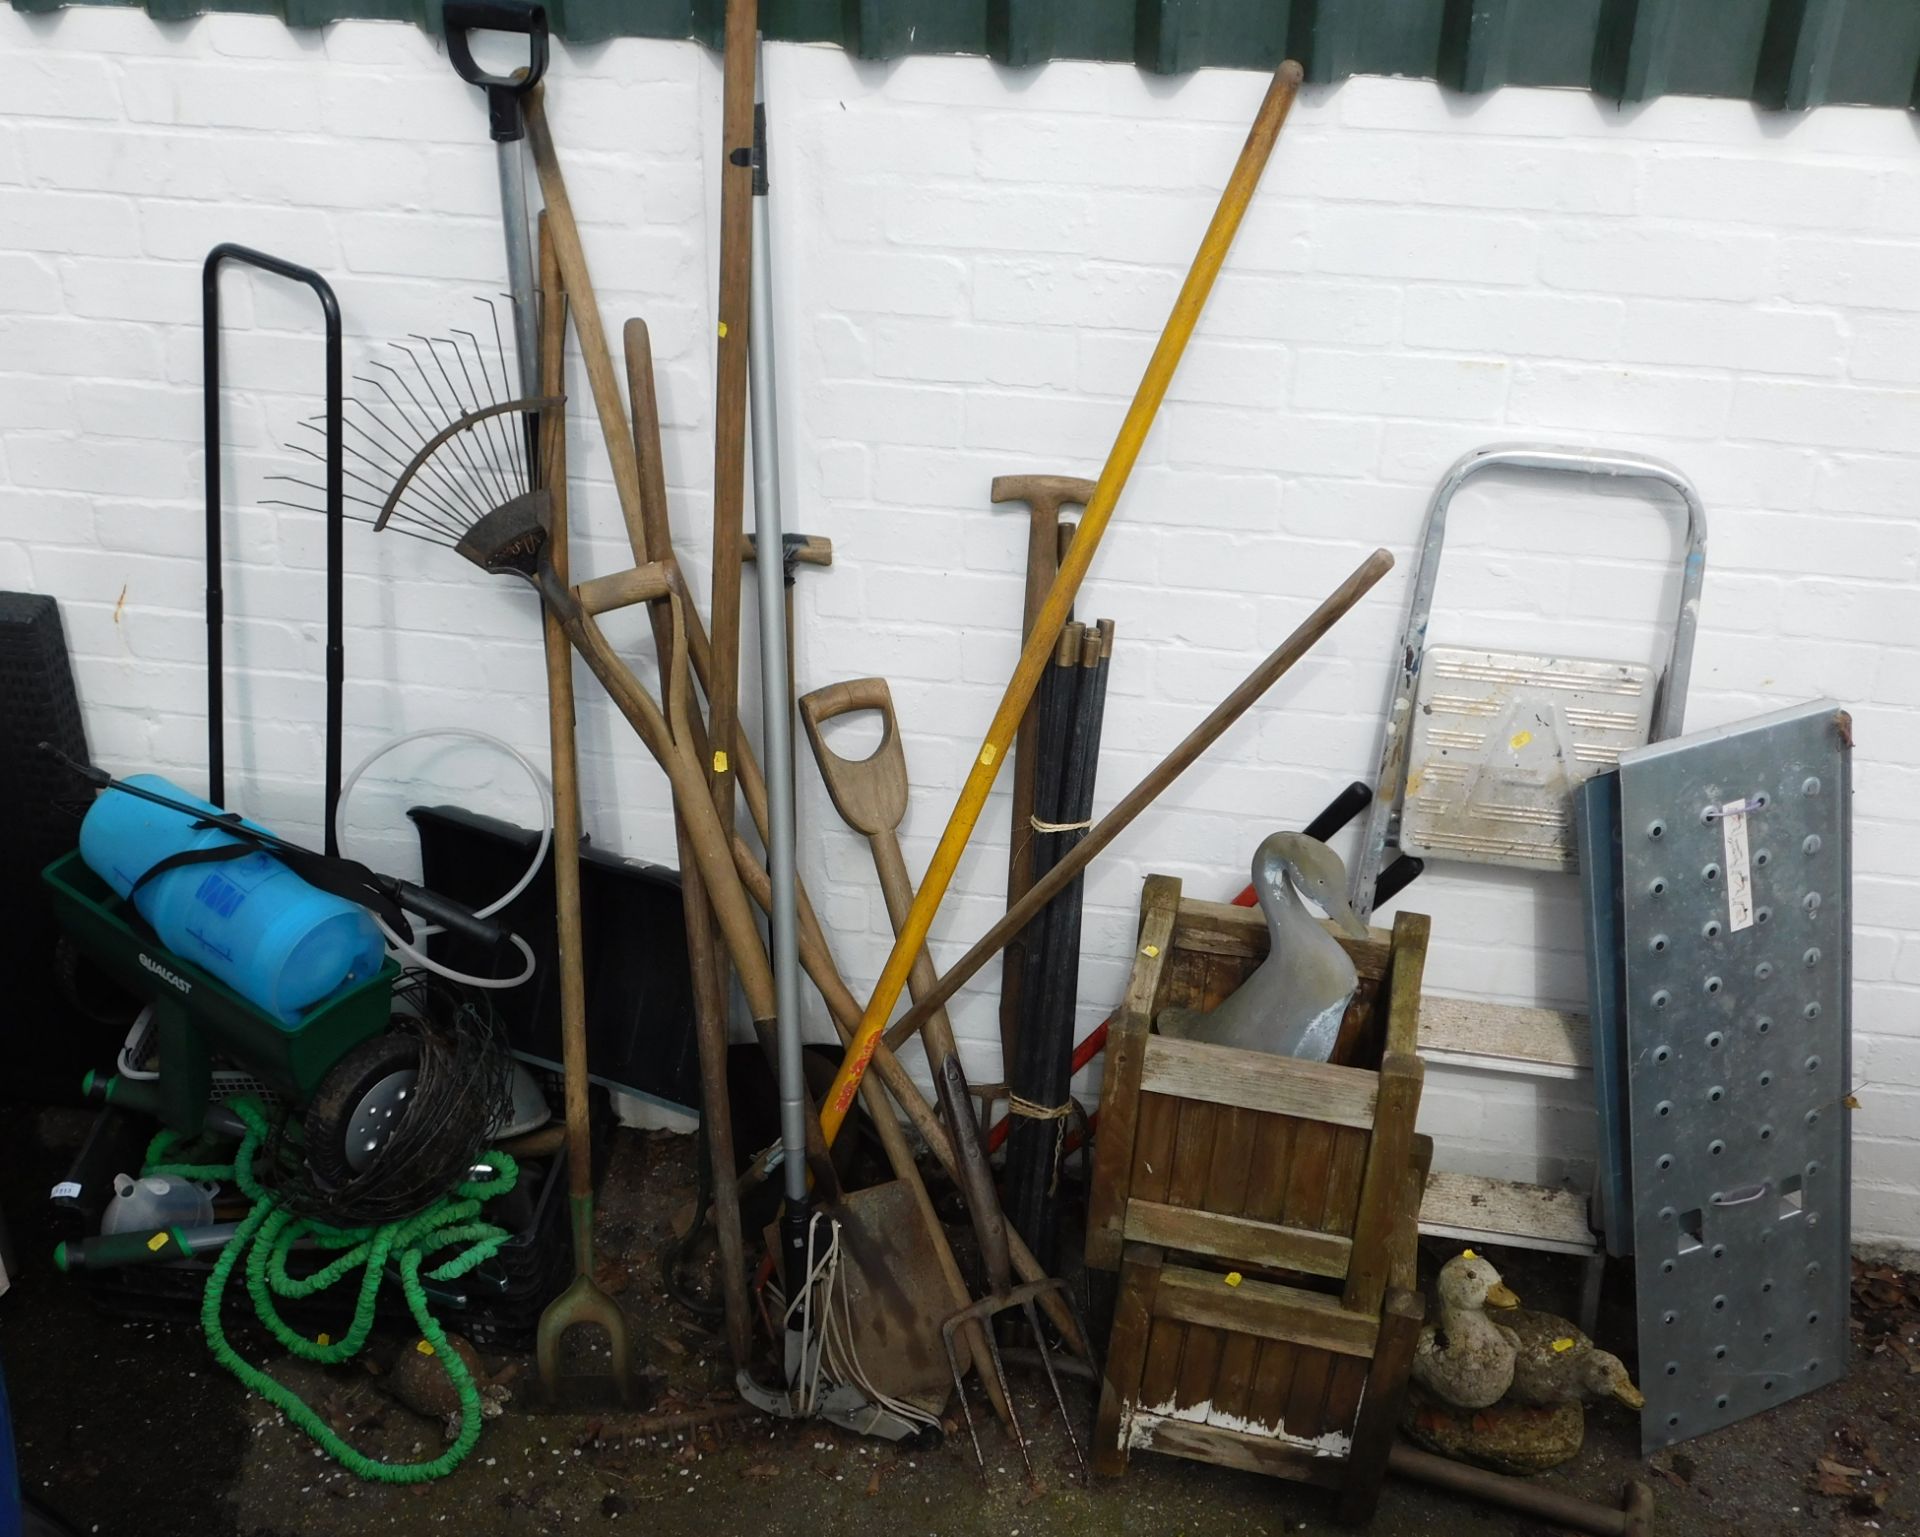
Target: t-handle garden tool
(506, 121)
(990, 1227)
(584, 1303)
(1045, 497)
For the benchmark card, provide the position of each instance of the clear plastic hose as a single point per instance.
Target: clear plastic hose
(540, 788)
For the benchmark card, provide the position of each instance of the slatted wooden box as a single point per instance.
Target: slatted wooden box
(1301, 1179)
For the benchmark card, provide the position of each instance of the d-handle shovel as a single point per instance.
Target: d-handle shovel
(871, 795)
(506, 122)
(583, 1302)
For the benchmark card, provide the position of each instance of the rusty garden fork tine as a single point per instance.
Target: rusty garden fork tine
(985, 1311)
(1053, 1378)
(947, 1330)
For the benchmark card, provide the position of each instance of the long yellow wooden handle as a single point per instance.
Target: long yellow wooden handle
(1053, 612)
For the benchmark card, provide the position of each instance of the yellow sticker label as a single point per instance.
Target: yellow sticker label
(988, 752)
(719, 762)
(1149, 951)
(1234, 1278)
(1519, 740)
(1468, 1254)
(723, 328)
(1561, 1347)
(325, 1339)
(425, 1347)
(158, 1242)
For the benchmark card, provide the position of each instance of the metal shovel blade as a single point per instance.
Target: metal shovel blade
(584, 1304)
(897, 1295)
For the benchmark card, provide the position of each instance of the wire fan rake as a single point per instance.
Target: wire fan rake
(444, 451)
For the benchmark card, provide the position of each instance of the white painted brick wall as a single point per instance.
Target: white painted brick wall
(972, 264)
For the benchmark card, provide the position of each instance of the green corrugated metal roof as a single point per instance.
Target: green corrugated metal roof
(1779, 53)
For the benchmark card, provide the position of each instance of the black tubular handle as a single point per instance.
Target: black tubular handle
(1342, 809)
(1396, 878)
(448, 914)
(336, 510)
(504, 92)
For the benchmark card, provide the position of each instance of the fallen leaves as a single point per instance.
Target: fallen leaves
(762, 1471)
(1881, 1288)
(1906, 1350)
(873, 1484)
(1677, 1470)
(1834, 1479)
(1886, 1313)
(1853, 1472)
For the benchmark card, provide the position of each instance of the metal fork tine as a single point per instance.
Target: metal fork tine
(1053, 1379)
(1013, 1418)
(960, 1392)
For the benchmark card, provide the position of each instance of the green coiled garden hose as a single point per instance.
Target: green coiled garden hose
(268, 1235)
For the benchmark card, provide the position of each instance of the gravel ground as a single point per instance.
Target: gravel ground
(132, 1428)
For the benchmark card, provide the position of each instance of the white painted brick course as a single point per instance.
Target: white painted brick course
(1501, 323)
(1867, 274)
(1462, 247)
(973, 264)
(1663, 259)
(1748, 338)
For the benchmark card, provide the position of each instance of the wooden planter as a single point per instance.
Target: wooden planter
(1261, 1212)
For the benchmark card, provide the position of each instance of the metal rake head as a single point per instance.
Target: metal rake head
(441, 449)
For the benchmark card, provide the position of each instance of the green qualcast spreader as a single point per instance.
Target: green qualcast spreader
(196, 1014)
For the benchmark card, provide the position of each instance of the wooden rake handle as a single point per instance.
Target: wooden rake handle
(1276, 665)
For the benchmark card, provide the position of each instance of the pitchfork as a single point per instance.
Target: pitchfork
(990, 1228)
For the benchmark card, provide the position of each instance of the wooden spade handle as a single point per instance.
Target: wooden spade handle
(870, 793)
(584, 311)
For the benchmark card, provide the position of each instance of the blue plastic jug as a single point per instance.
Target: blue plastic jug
(253, 923)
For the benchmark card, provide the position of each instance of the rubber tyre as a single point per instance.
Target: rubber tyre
(348, 1082)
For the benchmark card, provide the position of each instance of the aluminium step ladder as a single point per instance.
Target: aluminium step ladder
(1481, 752)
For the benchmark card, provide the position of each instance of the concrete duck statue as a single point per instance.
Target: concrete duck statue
(1292, 1003)
(1557, 1364)
(1464, 1358)
(1506, 1392)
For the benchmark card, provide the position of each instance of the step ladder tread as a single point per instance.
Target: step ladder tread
(1494, 1211)
(1504, 1037)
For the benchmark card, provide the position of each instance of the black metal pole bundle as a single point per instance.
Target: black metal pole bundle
(1055, 714)
(1042, 1071)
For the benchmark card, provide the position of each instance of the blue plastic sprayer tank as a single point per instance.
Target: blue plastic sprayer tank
(250, 921)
